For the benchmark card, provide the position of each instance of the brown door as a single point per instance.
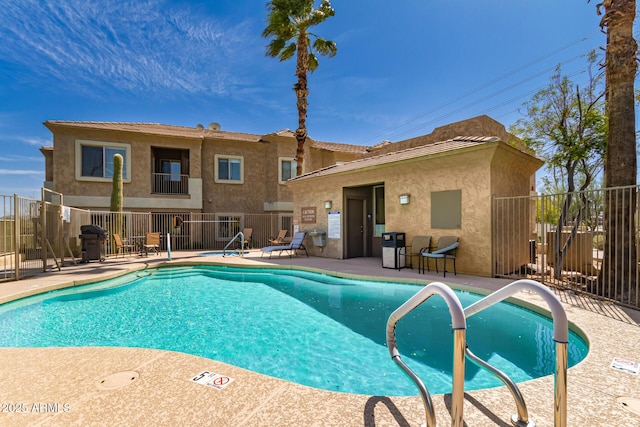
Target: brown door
(356, 236)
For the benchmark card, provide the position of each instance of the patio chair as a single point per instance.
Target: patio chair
(446, 249)
(419, 244)
(248, 235)
(121, 246)
(279, 239)
(152, 243)
(292, 248)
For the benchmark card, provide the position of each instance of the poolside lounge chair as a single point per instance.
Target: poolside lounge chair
(446, 249)
(122, 247)
(419, 244)
(279, 239)
(152, 243)
(292, 248)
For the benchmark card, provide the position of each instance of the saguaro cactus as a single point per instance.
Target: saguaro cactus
(116, 197)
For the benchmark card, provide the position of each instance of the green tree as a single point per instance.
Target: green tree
(288, 26)
(620, 260)
(565, 125)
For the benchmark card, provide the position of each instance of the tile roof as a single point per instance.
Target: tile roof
(335, 146)
(157, 129)
(453, 144)
(197, 132)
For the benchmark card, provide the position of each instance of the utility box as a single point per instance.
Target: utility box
(319, 238)
(394, 247)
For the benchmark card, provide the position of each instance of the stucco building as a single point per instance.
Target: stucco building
(350, 194)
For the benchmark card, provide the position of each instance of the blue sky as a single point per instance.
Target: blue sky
(403, 67)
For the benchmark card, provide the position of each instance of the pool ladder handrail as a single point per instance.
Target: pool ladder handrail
(459, 327)
(241, 235)
(560, 336)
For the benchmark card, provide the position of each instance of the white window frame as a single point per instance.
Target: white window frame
(238, 222)
(78, 159)
(291, 160)
(227, 157)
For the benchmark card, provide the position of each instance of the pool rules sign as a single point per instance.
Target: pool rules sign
(212, 380)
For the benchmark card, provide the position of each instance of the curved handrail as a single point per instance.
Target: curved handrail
(560, 336)
(458, 325)
(521, 419)
(241, 235)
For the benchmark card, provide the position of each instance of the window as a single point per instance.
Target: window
(171, 170)
(378, 210)
(287, 169)
(229, 169)
(94, 160)
(227, 226)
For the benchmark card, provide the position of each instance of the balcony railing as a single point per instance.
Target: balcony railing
(169, 183)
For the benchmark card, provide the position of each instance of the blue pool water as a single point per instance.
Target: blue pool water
(308, 328)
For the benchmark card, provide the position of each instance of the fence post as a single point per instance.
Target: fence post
(16, 238)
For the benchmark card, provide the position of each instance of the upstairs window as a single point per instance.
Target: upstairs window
(94, 160)
(287, 169)
(229, 169)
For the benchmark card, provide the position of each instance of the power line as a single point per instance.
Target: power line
(478, 89)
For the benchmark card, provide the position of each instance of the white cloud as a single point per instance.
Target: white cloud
(21, 172)
(132, 46)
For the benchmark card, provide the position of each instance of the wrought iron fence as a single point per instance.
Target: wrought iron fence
(583, 241)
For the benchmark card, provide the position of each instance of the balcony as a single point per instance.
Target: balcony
(169, 183)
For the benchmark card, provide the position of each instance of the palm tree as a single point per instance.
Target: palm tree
(288, 27)
(620, 162)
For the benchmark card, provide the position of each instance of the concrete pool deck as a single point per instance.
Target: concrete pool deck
(95, 386)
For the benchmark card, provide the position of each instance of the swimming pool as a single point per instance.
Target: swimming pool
(309, 328)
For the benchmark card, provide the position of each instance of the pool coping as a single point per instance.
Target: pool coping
(164, 392)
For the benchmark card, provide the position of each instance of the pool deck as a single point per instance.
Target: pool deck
(96, 386)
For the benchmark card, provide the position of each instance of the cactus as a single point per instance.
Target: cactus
(116, 197)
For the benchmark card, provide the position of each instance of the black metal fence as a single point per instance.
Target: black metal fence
(561, 240)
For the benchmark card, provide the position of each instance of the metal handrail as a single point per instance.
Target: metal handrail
(241, 235)
(458, 325)
(560, 336)
(521, 419)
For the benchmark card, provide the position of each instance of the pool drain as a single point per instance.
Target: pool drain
(631, 404)
(118, 380)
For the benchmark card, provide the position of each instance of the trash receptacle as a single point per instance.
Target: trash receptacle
(92, 238)
(393, 250)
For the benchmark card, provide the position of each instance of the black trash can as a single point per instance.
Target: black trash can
(92, 238)
(393, 250)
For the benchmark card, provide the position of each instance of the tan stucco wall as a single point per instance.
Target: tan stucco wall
(469, 170)
(97, 194)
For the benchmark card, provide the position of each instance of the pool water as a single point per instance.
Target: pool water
(308, 328)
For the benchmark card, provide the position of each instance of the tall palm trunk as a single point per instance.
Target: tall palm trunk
(620, 261)
(302, 92)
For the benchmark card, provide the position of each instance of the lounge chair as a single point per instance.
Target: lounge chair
(446, 249)
(419, 244)
(292, 248)
(152, 243)
(279, 239)
(121, 246)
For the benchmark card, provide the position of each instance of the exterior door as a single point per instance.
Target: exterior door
(356, 236)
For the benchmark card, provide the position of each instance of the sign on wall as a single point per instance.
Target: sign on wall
(309, 215)
(333, 231)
